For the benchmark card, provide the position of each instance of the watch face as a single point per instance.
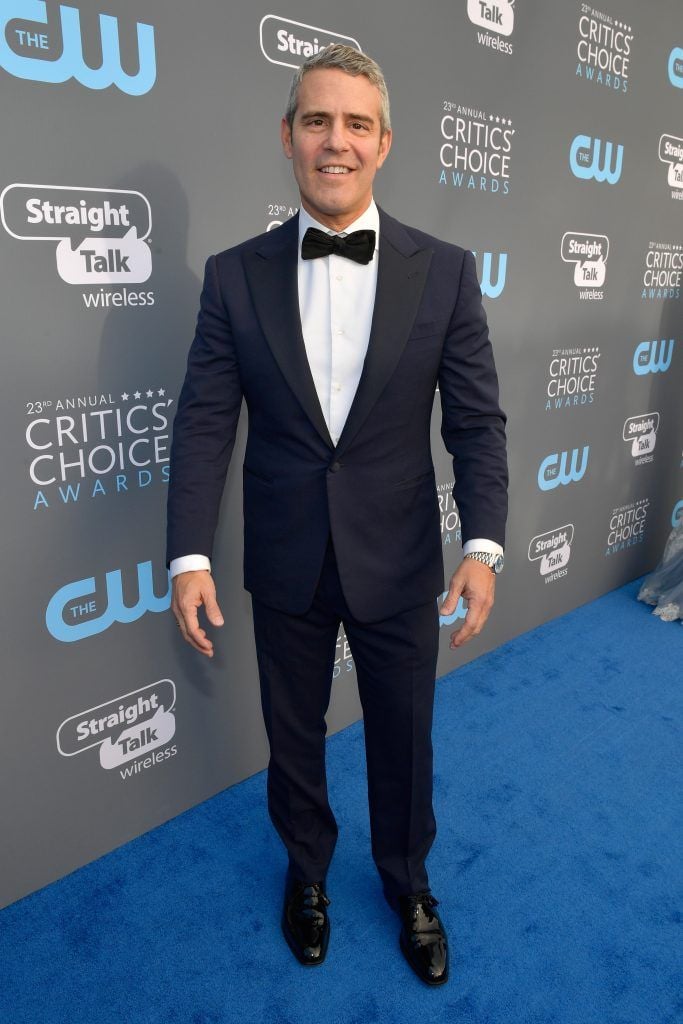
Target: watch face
(498, 564)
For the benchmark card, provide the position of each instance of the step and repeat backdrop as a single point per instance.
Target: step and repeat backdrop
(138, 137)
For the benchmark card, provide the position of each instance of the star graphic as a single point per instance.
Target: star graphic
(161, 392)
(124, 396)
(150, 394)
(136, 394)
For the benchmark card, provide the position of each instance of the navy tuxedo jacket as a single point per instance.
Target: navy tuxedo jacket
(375, 491)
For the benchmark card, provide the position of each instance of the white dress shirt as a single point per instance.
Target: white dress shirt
(336, 303)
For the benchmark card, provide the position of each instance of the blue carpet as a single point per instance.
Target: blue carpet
(558, 867)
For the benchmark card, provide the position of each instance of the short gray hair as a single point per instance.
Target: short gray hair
(353, 62)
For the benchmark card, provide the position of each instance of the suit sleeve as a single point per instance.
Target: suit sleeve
(204, 427)
(472, 423)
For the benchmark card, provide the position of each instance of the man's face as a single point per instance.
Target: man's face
(335, 144)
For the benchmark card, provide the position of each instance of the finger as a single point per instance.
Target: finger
(472, 626)
(193, 632)
(454, 593)
(213, 612)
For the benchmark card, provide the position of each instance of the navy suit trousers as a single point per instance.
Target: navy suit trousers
(395, 663)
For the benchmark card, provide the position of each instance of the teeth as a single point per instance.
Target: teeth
(334, 170)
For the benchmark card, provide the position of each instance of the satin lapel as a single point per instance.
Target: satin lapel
(401, 277)
(272, 275)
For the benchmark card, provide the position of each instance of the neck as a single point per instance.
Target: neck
(335, 223)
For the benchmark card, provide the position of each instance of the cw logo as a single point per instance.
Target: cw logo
(585, 156)
(676, 67)
(677, 514)
(77, 627)
(554, 471)
(647, 358)
(488, 288)
(70, 62)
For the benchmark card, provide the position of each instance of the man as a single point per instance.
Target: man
(335, 328)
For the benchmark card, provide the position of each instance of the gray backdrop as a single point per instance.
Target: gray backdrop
(545, 136)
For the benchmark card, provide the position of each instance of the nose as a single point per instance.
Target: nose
(336, 137)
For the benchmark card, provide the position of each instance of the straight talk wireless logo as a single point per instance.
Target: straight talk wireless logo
(495, 22)
(102, 236)
(128, 732)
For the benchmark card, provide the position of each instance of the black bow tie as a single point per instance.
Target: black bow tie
(359, 246)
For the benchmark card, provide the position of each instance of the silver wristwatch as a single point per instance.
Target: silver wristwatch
(494, 562)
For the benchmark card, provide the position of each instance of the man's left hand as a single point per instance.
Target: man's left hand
(476, 584)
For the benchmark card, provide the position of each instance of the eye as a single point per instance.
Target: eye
(358, 125)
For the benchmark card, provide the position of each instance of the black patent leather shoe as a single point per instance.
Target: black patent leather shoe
(305, 924)
(423, 938)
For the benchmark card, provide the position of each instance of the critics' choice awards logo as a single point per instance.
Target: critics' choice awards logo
(343, 658)
(653, 356)
(640, 432)
(589, 255)
(448, 510)
(562, 468)
(593, 159)
(80, 609)
(278, 213)
(675, 67)
(552, 551)
(671, 154)
(97, 445)
(39, 48)
(662, 272)
(497, 19)
(572, 377)
(475, 149)
(627, 526)
(289, 43)
(125, 729)
(603, 49)
(100, 233)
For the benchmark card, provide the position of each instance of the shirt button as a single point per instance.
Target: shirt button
(340, 330)
(340, 277)
(335, 386)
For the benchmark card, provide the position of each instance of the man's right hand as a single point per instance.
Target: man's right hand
(190, 591)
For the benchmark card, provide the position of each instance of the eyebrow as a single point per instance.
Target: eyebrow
(324, 113)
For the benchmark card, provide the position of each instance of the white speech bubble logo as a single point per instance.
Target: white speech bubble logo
(498, 16)
(124, 260)
(553, 560)
(137, 740)
(288, 43)
(588, 253)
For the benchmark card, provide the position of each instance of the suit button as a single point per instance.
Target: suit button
(335, 467)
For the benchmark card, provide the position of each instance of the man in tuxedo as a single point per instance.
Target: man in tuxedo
(335, 328)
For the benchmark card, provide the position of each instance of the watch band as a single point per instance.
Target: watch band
(494, 562)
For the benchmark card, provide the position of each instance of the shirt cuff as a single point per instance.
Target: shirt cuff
(479, 544)
(189, 563)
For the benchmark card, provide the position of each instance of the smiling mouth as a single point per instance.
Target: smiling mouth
(334, 169)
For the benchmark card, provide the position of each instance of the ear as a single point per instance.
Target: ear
(286, 138)
(384, 147)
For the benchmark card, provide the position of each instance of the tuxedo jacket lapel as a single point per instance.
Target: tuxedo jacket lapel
(401, 277)
(271, 271)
